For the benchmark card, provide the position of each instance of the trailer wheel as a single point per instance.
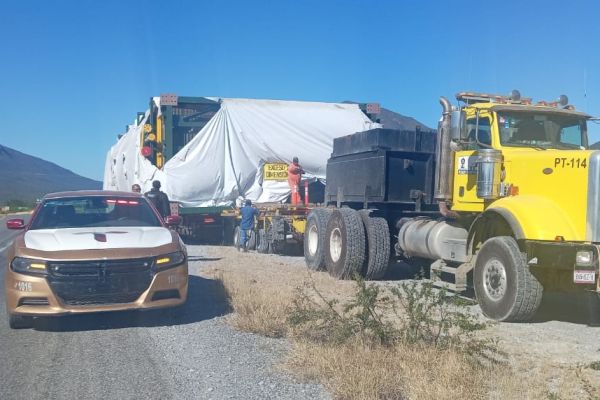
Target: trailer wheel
(344, 244)
(505, 288)
(263, 244)
(276, 235)
(237, 237)
(252, 240)
(314, 238)
(378, 246)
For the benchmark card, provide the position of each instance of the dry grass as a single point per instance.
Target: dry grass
(354, 371)
(261, 290)
(258, 309)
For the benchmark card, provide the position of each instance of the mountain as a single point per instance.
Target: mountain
(595, 146)
(26, 178)
(394, 120)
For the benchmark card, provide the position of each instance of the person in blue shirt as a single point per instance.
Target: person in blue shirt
(248, 213)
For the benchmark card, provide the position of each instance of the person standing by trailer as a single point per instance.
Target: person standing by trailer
(248, 213)
(159, 199)
(295, 172)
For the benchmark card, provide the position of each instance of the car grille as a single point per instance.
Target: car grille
(99, 282)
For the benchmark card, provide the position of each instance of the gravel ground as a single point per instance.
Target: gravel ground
(211, 360)
(191, 353)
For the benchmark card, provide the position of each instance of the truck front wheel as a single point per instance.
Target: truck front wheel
(505, 288)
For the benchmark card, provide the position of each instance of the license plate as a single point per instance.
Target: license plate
(584, 276)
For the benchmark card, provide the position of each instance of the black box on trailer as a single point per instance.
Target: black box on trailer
(422, 141)
(382, 166)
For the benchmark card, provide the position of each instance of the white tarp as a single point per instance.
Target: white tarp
(224, 160)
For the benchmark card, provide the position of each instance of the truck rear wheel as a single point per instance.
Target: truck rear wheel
(344, 244)
(378, 246)
(505, 288)
(314, 238)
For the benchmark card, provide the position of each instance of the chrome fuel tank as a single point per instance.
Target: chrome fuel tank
(433, 239)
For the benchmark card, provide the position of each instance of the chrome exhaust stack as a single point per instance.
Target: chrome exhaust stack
(444, 161)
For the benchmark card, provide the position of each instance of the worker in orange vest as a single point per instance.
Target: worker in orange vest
(295, 172)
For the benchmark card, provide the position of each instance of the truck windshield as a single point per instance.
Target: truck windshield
(524, 129)
(79, 212)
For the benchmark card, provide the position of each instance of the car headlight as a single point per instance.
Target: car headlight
(584, 258)
(28, 266)
(169, 260)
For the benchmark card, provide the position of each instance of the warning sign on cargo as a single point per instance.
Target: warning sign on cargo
(275, 172)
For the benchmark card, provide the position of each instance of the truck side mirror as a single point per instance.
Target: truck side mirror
(458, 126)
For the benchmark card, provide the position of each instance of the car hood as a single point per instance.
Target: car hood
(96, 238)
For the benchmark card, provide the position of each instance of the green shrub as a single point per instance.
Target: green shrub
(421, 315)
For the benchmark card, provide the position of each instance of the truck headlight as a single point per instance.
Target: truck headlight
(584, 258)
(28, 266)
(169, 260)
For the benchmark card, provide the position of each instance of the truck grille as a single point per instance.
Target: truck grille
(99, 282)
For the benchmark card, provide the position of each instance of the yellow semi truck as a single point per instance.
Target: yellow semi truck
(507, 204)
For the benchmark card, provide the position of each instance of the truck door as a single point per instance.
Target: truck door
(465, 167)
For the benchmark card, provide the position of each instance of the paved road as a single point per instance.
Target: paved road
(193, 354)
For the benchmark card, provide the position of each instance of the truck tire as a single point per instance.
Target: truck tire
(263, 244)
(314, 238)
(236, 237)
(344, 244)
(378, 246)
(505, 288)
(19, 321)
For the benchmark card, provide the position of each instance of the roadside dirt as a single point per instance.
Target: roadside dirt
(551, 357)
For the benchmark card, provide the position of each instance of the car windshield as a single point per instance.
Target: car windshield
(79, 212)
(523, 129)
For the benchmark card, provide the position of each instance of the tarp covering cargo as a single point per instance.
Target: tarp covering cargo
(224, 161)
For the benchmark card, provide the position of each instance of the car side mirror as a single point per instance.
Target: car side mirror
(15, 223)
(172, 220)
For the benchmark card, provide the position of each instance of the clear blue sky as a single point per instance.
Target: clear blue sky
(74, 73)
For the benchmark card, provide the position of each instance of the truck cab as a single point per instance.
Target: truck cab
(524, 185)
(543, 148)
